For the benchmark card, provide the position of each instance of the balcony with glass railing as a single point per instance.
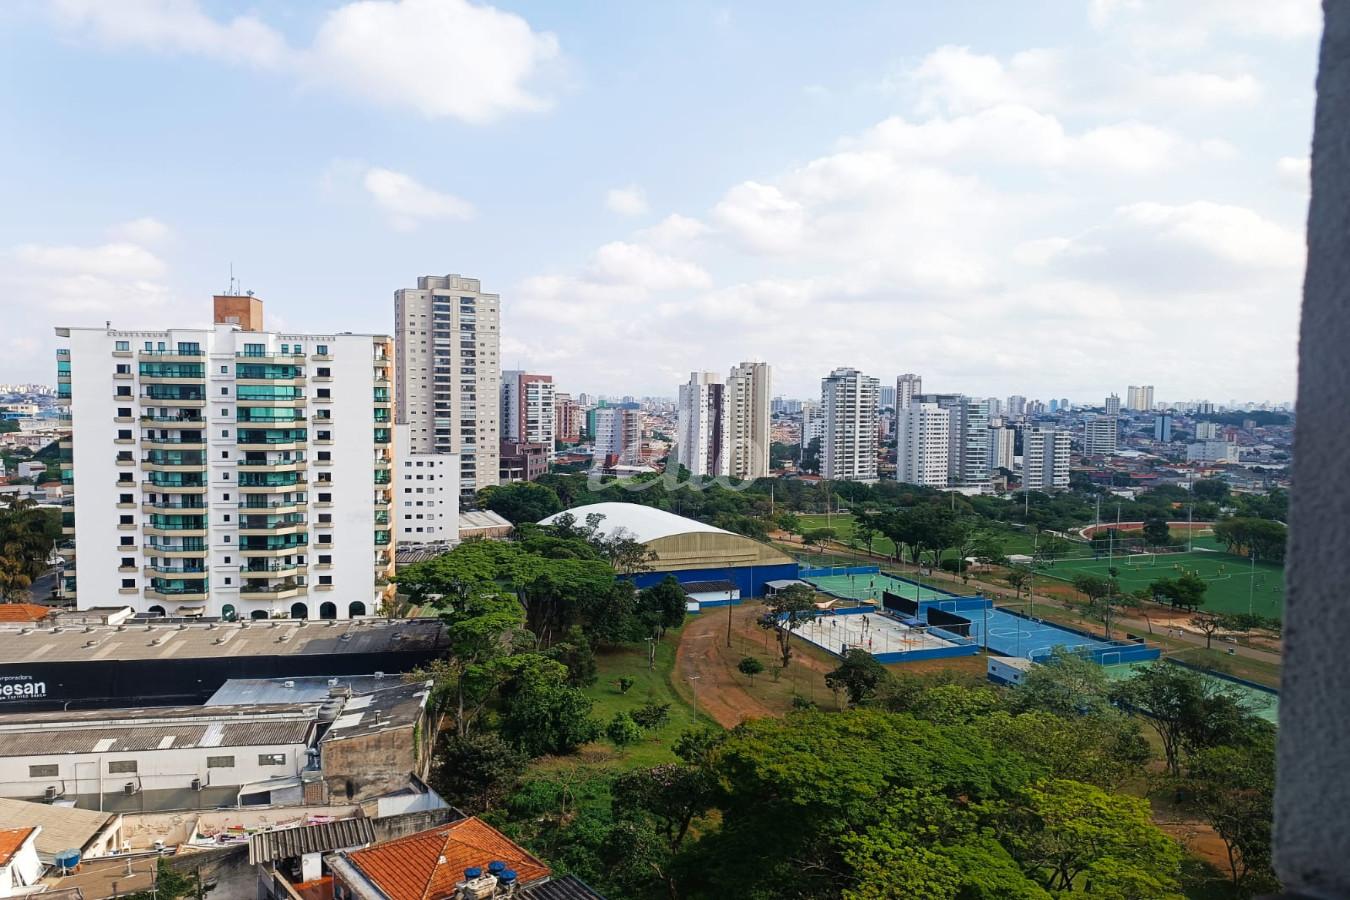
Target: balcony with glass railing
(274, 544)
(267, 523)
(270, 438)
(177, 589)
(271, 480)
(265, 415)
(272, 590)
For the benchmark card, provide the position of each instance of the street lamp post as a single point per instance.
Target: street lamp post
(693, 683)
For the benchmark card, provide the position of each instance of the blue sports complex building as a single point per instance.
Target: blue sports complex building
(690, 550)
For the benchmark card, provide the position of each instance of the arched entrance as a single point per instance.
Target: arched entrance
(258, 614)
(299, 611)
(156, 610)
(228, 613)
(327, 610)
(356, 608)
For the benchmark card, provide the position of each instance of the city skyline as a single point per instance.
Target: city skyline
(1166, 191)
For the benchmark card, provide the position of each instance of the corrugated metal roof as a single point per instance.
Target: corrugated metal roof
(324, 837)
(568, 887)
(63, 827)
(136, 739)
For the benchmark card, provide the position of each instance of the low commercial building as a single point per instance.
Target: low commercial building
(19, 864)
(1212, 451)
(134, 662)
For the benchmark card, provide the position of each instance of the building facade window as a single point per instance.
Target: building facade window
(122, 767)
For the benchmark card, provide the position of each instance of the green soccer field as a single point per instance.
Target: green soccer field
(1233, 581)
(1013, 540)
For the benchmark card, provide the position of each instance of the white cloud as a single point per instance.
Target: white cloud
(673, 231)
(441, 58)
(1236, 235)
(1295, 173)
(626, 201)
(1163, 23)
(408, 203)
(619, 262)
(116, 260)
(145, 230)
(173, 26)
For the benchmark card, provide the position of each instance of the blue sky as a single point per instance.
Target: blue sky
(1052, 199)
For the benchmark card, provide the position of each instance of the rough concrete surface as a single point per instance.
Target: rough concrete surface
(1312, 817)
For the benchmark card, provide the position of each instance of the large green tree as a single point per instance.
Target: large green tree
(858, 676)
(785, 612)
(521, 501)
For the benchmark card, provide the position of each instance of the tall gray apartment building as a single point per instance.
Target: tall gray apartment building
(449, 374)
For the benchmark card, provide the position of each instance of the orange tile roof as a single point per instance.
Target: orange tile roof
(22, 612)
(10, 842)
(411, 868)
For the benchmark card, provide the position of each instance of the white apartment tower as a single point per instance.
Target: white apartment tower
(848, 403)
(1002, 443)
(748, 437)
(1045, 459)
(448, 341)
(922, 442)
(1139, 398)
(1113, 404)
(906, 388)
(229, 471)
(528, 408)
(618, 435)
(426, 491)
(702, 433)
(1099, 435)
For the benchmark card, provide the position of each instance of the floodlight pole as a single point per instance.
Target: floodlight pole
(1251, 585)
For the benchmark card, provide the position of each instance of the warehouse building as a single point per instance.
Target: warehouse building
(690, 550)
(131, 662)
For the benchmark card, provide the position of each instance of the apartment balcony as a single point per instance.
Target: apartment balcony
(147, 466)
(171, 487)
(194, 506)
(271, 357)
(278, 529)
(174, 420)
(178, 595)
(192, 440)
(123, 376)
(269, 481)
(172, 571)
(272, 591)
(257, 441)
(175, 355)
(262, 568)
(273, 402)
(176, 551)
(280, 465)
(294, 381)
(263, 505)
(174, 531)
(181, 402)
(171, 379)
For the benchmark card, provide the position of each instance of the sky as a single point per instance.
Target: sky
(1053, 199)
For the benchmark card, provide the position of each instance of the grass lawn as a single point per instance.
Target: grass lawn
(649, 685)
(1015, 540)
(1233, 580)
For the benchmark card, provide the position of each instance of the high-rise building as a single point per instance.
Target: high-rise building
(1002, 441)
(886, 397)
(1139, 398)
(229, 471)
(1017, 406)
(848, 401)
(906, 387)
(701, 431)
(968, 438)
(1063, 404)
(747, 419)
(813, 423)
(618, 436)
(1212, 451)
(1099, 435)
(922, 441)
(1045, 459)
(449, 373)
(1162, 427)
(1207, 431)
(1113, 405)
(568, 416)
(427, 493)
(528, 408)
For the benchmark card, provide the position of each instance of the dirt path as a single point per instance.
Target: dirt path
(720, 693)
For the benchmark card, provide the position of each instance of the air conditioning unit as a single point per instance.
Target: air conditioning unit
(197, 784)
(51, 793)
(129, 788)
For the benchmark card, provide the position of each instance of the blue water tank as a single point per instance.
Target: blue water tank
(496, 867)
(508, 876)
(68, 859)
(473, 872)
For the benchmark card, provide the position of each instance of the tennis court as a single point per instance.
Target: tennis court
(869, 587)
(1014, 635)
(1234, 582)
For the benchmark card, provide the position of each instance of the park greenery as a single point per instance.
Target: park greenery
(27, 535)
(913, 786)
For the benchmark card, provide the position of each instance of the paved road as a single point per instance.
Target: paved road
(41, 589)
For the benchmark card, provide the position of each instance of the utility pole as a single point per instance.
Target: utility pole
(1251, 585)
(1190, 527)
(693, 683)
